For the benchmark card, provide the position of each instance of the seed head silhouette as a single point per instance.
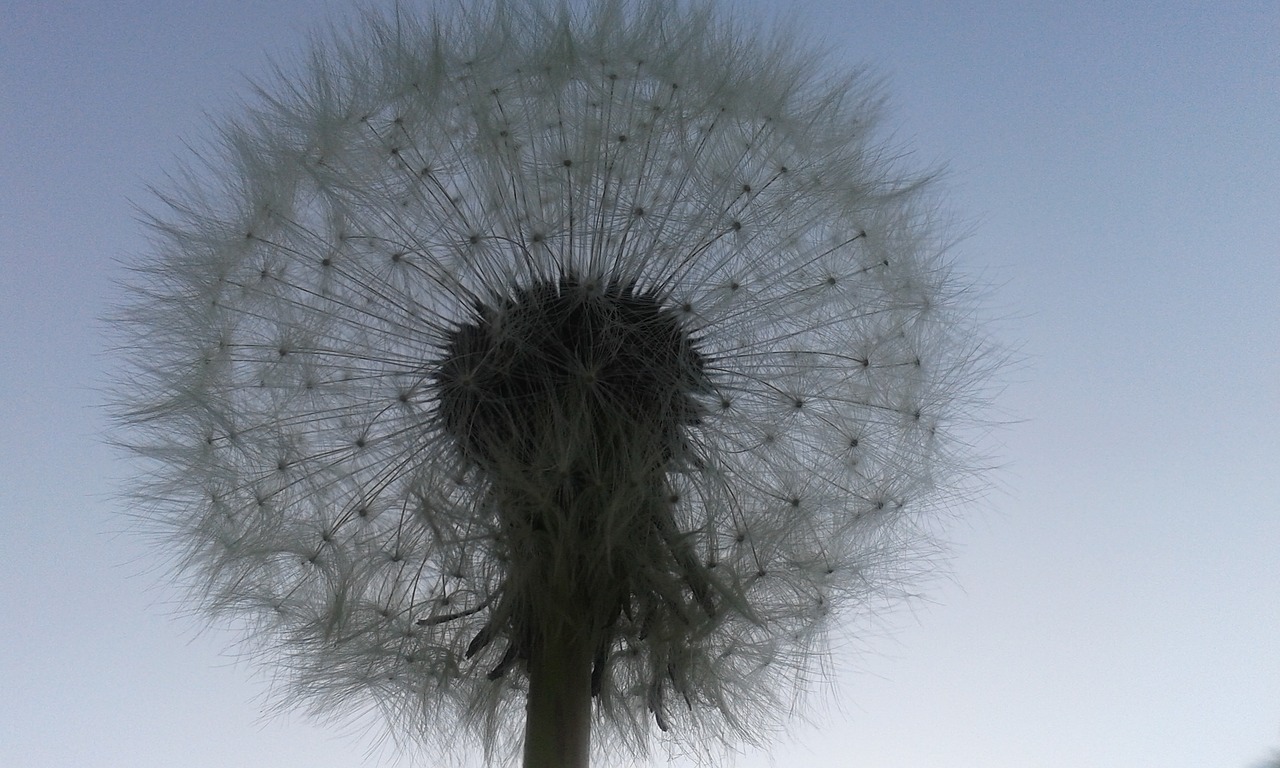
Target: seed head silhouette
(528, 372)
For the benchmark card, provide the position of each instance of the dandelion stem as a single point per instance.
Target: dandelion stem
(558, 715)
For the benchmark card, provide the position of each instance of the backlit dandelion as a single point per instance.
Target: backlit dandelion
(528, 371)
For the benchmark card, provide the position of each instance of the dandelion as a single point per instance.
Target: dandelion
(532, 373)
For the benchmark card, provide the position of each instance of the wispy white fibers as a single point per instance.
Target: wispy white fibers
(488, 328)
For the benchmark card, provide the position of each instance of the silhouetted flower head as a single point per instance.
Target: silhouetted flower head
(620, 320)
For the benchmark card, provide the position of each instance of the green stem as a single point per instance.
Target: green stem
(558, 719)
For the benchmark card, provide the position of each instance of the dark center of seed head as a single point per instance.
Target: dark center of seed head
(568, 351)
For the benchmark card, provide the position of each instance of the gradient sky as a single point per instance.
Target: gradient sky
(1113, 601)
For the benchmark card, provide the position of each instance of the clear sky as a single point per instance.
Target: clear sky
(1114, 601)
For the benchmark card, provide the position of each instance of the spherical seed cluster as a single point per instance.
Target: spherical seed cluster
(525, 317)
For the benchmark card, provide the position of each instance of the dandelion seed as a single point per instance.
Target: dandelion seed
(599, 425)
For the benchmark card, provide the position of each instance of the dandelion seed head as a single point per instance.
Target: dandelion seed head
(616, 319)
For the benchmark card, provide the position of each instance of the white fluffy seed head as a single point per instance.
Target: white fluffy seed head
(288, 339)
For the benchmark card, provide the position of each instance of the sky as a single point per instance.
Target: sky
(1113, 599)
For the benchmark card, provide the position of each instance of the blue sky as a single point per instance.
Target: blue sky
(1113, 601)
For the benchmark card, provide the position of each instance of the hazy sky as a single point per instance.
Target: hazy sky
(1115, 601)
